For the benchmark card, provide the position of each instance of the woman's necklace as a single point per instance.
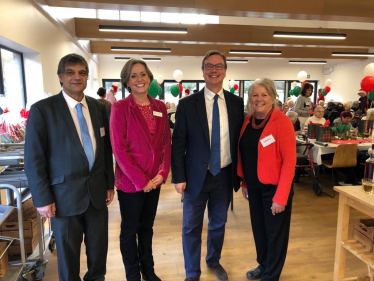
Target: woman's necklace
(262, 124)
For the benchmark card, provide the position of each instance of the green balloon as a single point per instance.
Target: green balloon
(153, 89)
(232, 90)
(371, 95)
(174, 90)
(324, 92)
(291, 92)
(159, 91)
(296, 91)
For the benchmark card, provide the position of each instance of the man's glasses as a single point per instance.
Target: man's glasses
(72, 73)
(210, 66)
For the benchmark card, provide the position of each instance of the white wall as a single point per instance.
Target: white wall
(26, 28)
(346, 79)
(276, 69)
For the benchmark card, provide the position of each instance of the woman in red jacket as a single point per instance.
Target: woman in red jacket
(266, 162)
(141, 141)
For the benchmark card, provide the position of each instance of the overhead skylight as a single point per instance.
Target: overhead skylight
(108, 14)
(58, 12)
(150, 17)
(170, 17)
(130, 15)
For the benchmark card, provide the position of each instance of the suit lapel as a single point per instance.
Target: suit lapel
(94, 114)
(69, 123)
(201, 109)
(230, 115)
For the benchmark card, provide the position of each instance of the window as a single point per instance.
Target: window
(12, 83)
(107, 83)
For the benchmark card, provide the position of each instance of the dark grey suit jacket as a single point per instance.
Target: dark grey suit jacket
(191, 142)
(55, 163)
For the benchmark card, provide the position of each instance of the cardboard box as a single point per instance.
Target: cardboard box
(26, 207)
(4, 264)
(29, 249)
(26, 233)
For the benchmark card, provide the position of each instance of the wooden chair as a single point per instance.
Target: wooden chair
(345, 157)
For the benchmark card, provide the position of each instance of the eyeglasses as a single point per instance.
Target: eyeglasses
(210, 66)
(82, 73)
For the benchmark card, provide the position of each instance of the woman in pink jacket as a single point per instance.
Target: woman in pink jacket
(140, 136)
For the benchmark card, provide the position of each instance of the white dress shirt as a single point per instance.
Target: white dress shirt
(73, 111)
(223, 122)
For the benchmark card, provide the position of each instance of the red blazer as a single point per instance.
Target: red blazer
(138, 158)
(276, 162)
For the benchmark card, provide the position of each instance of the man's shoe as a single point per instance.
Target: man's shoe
(151, 277)
(254, 274)
(192, 279)
(219, 272)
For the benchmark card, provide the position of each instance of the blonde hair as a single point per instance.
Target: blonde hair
(268, 84)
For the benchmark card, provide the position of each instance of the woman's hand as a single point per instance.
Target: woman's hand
(149, 186)
(158, 180)
(245, 193)
(277, 208)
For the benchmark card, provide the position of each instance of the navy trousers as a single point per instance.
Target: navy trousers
(270, 232)
(216, 193)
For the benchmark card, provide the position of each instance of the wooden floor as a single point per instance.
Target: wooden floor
(310, 253)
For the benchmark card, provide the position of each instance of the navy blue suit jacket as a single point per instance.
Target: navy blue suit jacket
(56, 165)
(191, 142)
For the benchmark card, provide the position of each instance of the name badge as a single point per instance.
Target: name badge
(156, 113)
(102, 131)
(267, 140)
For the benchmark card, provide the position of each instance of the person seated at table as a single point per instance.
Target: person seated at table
(369, 115)
(345, 118)
(291, 104)
(322, 103)
(285, 108)
(295, 121)
(317, 118)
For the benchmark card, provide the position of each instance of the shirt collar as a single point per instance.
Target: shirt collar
(210, 95)
(72, 103)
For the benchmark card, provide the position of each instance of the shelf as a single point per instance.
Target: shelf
(359, 251)
(13, 273)
(5, 212)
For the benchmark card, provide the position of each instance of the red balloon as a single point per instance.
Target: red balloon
(236, 87)
(327, 89)
(367, 84)
(187, 91)
(305, 82)
(180, 88)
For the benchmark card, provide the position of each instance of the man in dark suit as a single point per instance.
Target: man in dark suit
(204, 159)
(69, 167)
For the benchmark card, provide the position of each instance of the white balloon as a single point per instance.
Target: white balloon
(231, 83)
(328, 82)
(294, 84)
(257, 79)
(369, 70)
(178, 75)
(160, 79)
(302, 75)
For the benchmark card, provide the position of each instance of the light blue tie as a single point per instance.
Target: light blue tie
(86, 139)
(215, 146)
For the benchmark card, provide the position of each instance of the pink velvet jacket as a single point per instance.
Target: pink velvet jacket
(139, 158)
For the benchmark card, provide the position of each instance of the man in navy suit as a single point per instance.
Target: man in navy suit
(69, 167)
(204, 159)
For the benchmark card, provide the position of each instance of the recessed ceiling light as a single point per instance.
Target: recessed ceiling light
(255, 52)
(139, 49)
(344, 54)
(306, 62)
(145, 29)
(309, 35)
(145, 59)
(237, 61)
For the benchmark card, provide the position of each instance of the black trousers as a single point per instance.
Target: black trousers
(270, 232)
(69, 231)
(138, 212)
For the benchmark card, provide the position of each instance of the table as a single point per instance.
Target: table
(351, 197)
(319, 150)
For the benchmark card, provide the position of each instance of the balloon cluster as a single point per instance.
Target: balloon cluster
(327, 88)
(154, 89)
(295, 91)
(233, 86)
(178, 88)
(367, 84)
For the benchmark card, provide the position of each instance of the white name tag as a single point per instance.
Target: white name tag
(267, 140)
(156, 113)
(102, 131)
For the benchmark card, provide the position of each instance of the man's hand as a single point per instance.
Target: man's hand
(109, 196)
(277, 208)
(245, 193)
(158, 180)
(149, 186)
(48, 211)
(180, 187)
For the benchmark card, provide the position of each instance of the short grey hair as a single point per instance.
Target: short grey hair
(318, 106)
(126, 71)
(369, 112)
(268, 84)
(292, 114)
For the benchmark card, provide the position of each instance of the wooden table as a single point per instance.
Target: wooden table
(351, 197)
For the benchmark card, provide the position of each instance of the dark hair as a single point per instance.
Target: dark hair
(101, 91)
(71, 59)
(345, 114)
(306, 86)
(126, 71)
(211, 53)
